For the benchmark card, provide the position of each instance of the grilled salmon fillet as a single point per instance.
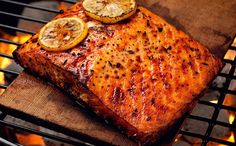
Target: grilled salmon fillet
(141, 74)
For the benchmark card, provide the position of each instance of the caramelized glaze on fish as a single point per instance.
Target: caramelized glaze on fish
(142, 74)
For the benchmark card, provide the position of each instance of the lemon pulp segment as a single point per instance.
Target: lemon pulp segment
(109, 11)
(62, 34)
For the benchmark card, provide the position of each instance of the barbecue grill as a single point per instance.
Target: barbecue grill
(205, 138)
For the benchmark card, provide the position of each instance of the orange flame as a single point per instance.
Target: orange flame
(230, 139)
(214, 101)
(231, 120)
(8, 49)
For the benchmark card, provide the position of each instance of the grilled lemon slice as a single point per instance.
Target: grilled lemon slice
(62, 34)
(109, 11)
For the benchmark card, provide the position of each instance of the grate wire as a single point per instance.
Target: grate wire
(206, 138)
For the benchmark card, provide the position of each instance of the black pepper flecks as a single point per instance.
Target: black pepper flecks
(106, 76)
(109, 62)
(160, 29)
(91, 71)
(192, 49)
(148, 118)
(205, 63)
(118, 65)
(150, 57)
(148, 23)
(168, 48)
(135, 113)
(64, 63)
(130, 51)
(152, 101)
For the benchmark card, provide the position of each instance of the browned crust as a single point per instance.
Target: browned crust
(69, 82)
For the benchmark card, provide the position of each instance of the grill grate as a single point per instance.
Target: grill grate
(206, 138)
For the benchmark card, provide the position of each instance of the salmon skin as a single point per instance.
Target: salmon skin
(141, 74)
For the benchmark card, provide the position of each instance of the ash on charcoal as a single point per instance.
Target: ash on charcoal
(181, 143)
(232, 85)
(220, 132)
(219, 81)
(223, 116)
(211, 95)
(203, 111)
(200, 127)
(226, 68)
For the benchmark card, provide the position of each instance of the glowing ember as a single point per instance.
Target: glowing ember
(8, 49)
(230, 139)
(214, 101)
(231, 118)
(230, 54)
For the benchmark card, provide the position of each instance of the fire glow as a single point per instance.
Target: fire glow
(231, 120)
(8, 49)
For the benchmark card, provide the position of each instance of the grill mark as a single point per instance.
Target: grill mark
(132, 85)
(143, 88)
(173, 73)
(119, 103)
(190, 71)
(117, 96)
(162, 74)
(193, 67)
(143, 97)
(108, 92)
(83, 72)
(197, 66)
(154, 84)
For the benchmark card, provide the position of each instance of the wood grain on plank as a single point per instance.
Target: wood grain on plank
(41, 100)
(211, 22)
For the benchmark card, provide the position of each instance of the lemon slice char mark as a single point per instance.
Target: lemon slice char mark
(62, 34)
(109, 11)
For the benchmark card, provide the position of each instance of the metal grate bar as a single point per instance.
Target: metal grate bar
(209, 138)
(224, 90)
(31, 6)
(3, 86)
(6, 56)
(217, 108)
(231, 108)
(232, 47)
(230, 61)
(57, 138)
(227, 75)
(208, 120)
(2, 116)
(8, 143)
(9, 72)
(23, 17)
(211, 121)
(70, 1)
(9, 42)
(17, 29)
